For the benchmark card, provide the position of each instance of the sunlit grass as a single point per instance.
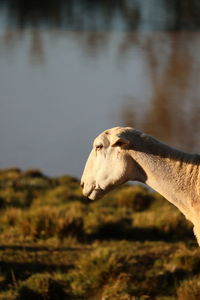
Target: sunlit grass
(56, 245)
(189, 289)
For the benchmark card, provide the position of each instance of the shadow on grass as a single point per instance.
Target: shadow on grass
(119, 231)
(15, 271)
(156, 285)
(40, 248)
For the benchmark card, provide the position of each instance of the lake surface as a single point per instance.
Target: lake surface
(71, 69)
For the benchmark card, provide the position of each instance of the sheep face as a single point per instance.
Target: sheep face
(108, 166)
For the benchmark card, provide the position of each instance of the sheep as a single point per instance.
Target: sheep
(121, 154)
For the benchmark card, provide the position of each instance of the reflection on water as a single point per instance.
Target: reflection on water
(172, 63)
(70, 69)
(103, 14)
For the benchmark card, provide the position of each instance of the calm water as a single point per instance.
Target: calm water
(70, 69)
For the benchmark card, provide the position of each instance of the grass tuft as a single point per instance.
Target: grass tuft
(189, 289)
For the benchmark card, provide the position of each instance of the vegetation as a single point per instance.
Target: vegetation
(54, 244)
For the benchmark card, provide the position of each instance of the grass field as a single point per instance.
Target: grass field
(54, 244)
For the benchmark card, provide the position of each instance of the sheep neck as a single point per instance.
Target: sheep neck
(172, 173)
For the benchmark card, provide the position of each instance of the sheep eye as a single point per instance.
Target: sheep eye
(99, 147)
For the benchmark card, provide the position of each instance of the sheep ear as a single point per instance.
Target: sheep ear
(118, 141)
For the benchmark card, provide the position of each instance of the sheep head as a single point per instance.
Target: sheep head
(109, 163)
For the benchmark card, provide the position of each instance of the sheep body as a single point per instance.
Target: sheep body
(122, 153)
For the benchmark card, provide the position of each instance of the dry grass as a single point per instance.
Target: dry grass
(189, 289)
(132, 244)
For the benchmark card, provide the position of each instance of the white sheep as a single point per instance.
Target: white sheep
(121, 154)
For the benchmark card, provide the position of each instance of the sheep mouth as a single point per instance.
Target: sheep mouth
(96, 193)
(98, 190)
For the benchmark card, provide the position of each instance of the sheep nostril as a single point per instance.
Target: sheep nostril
(82, 184)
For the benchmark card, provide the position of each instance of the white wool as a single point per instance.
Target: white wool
(121, 154)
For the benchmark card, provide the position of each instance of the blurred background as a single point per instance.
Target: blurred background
(71, 69)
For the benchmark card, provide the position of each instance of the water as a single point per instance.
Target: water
(71, 69)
